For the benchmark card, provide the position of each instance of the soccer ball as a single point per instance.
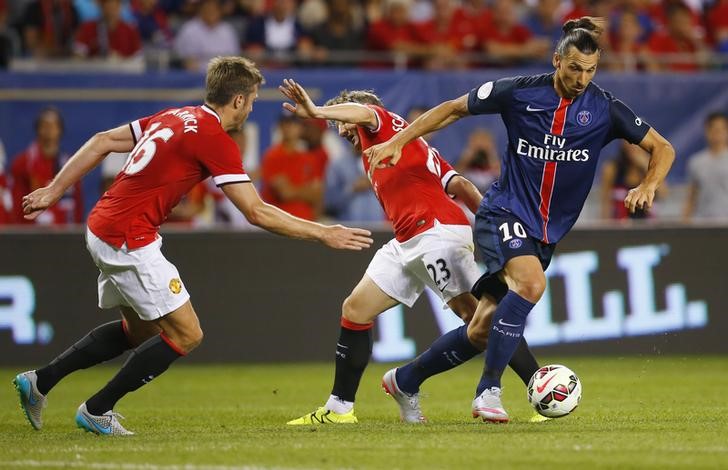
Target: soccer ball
(554, 391)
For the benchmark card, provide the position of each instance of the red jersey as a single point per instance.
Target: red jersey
(412, 193)
(33, 169)
(663, 43)
(300, 168)
(123, 39)
(175, 149)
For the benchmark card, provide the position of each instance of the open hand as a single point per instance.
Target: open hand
(345, 238)
(304, 107)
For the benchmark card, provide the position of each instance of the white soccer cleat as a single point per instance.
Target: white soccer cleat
(409, 404)
(105, 425)
(31, 400)
(488, 406)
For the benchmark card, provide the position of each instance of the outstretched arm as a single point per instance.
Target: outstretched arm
(305, 108)
(436, 118)
(86, 158)
(271, 218)
(661, 157)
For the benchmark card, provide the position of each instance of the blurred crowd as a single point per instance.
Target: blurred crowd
(643, 35)
(312, 173)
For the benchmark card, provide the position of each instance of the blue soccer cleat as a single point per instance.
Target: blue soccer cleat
(31, 400)
(105, 425)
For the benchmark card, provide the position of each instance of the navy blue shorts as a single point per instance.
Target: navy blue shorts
(501, 236)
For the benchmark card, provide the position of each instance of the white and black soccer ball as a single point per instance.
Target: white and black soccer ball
(554, 391)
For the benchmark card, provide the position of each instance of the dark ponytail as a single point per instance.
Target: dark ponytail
(583, 34)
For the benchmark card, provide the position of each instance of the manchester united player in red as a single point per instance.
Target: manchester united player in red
(433, 247)
(171, 151)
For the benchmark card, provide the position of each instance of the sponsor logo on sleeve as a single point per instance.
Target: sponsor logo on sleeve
(485, 90)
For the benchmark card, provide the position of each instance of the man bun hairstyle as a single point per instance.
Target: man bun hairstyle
(583, 34)
(228, 77)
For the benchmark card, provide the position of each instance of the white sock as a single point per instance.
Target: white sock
(337, 405)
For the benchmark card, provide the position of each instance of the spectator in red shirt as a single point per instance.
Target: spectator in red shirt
(474, 12)
(395, 33)
(447, 37)
(578, 9)
(109, 36)
(680, 48)
(48, 27)
(627, 47)
(6, 199)
(507, 41)
(292, 178)
(35, 168)
(718, 25)
(312, 135)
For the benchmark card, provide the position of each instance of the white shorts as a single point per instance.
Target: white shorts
(141, 279)
(440, 258)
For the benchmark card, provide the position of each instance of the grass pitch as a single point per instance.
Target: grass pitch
(640, 412)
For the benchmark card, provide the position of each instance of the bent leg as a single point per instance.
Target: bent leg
(101, 344)
(179, 333)
(354, 346)
(448, 351)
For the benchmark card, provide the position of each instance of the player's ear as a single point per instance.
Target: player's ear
(556, 60)
(239, 101)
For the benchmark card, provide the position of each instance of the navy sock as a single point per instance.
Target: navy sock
(506, 332)
(523, 362)
(448, 351)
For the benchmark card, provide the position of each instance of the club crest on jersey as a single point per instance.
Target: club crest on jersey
(515, 243)
(583, 118)
(175, 286)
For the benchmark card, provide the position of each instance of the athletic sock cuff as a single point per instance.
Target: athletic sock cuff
(171, 344)
(350, 325)
(519, 306)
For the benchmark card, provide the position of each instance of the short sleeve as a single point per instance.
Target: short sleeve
(221, 156)
(382, 117)
(140, 125)
(446, 171)
(490, 97)
(625, 124)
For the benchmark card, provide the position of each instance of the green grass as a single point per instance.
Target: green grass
(636, 412)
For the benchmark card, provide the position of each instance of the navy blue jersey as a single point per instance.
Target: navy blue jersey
(553, 148)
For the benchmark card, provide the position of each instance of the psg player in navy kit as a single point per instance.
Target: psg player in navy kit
(557, 124)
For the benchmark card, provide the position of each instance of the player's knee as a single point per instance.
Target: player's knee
(189, 339)
(353, 309)
(531, 288)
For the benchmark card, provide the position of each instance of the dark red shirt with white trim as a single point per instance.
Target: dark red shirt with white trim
(175, 149)
(413, 192)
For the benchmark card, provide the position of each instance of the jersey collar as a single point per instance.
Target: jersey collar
(209, 110)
